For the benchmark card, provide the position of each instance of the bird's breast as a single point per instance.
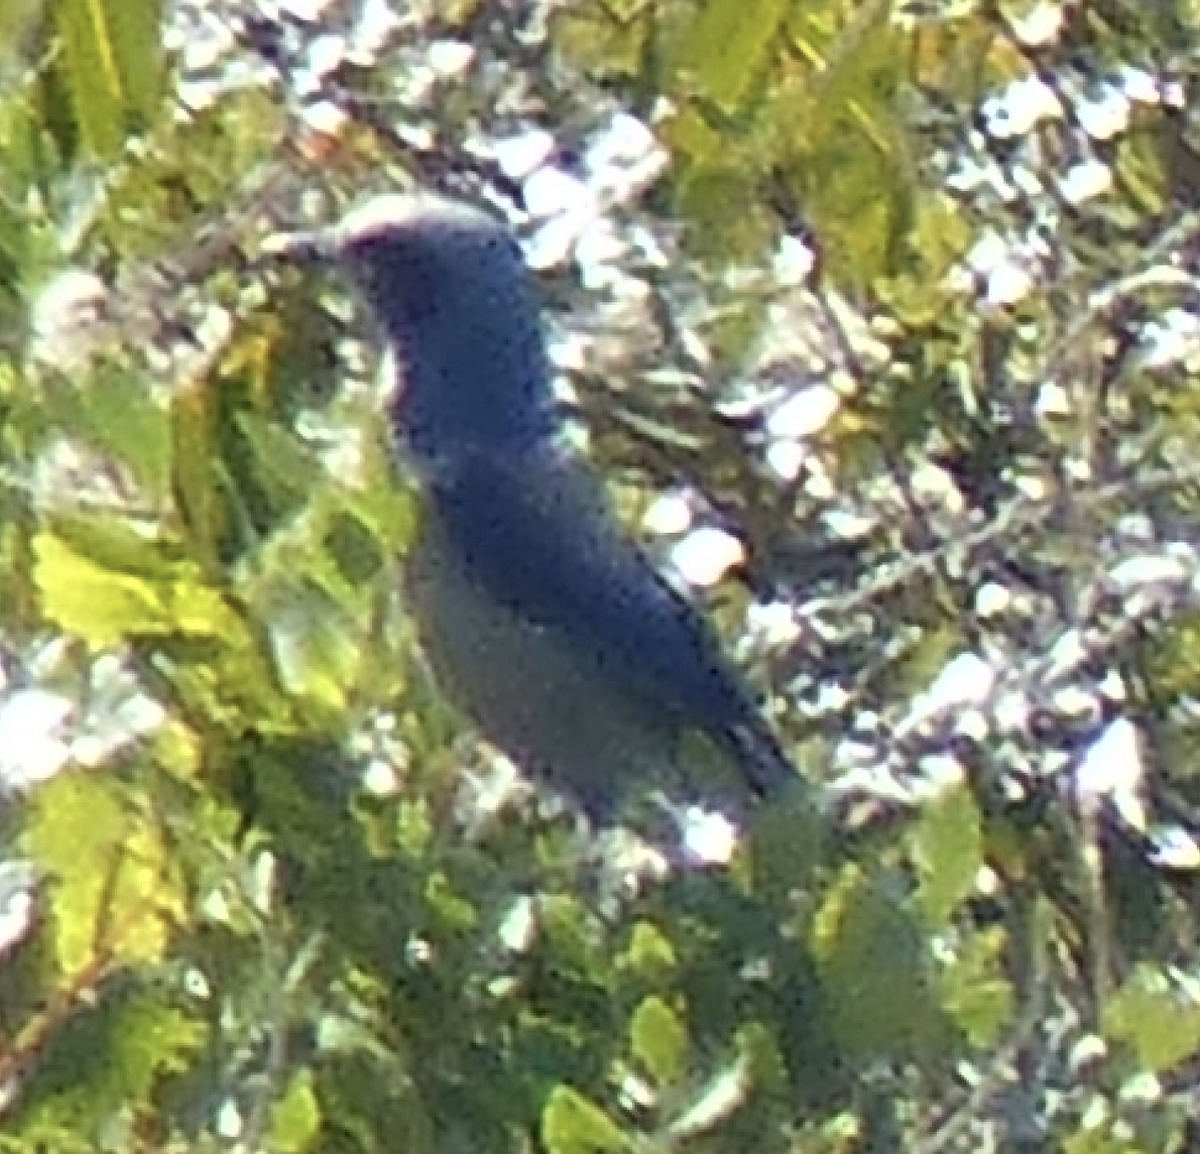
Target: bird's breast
(540, 692)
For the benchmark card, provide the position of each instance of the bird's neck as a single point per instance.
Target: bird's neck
(472, 391)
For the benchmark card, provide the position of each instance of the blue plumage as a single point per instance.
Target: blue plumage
(541, 620)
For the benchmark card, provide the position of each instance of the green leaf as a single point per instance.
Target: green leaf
(728, 45)
(650, 953)
(125, 419)
(105, 606)
(849, 165)
(659, 1040)
(142, 1040)
(112, 66)
(876, 970)
(571, 1124)
(315, 644)
(296, 1119)
(116, 893)
(1154, 1014)
(948, 851)
(976, 991)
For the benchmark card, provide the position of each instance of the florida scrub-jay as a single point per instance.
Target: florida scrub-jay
(541, 620)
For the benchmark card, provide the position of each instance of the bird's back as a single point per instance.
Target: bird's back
(549, 628)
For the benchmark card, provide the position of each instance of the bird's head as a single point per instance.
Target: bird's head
(451, 292)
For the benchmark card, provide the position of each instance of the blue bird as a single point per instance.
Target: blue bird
(540, 619)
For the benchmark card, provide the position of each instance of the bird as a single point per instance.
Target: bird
(541, 619)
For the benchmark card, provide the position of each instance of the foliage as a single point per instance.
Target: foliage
(262, 891)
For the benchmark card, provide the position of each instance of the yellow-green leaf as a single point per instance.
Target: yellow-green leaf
(571, 1124)
(651, 953)
(728, 44)
(105, 606)
(659, 1040)
(296, 1119)
(948, 850)
(1157, 1016)
(112, 67)
(115, 892)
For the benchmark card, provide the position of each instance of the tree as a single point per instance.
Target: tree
(901, 301)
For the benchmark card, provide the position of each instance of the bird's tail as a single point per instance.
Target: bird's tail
(769, 771)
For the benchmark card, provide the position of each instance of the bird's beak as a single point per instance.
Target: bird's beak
(302, 247)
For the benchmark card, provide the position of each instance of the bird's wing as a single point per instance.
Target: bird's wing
(537, 534)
